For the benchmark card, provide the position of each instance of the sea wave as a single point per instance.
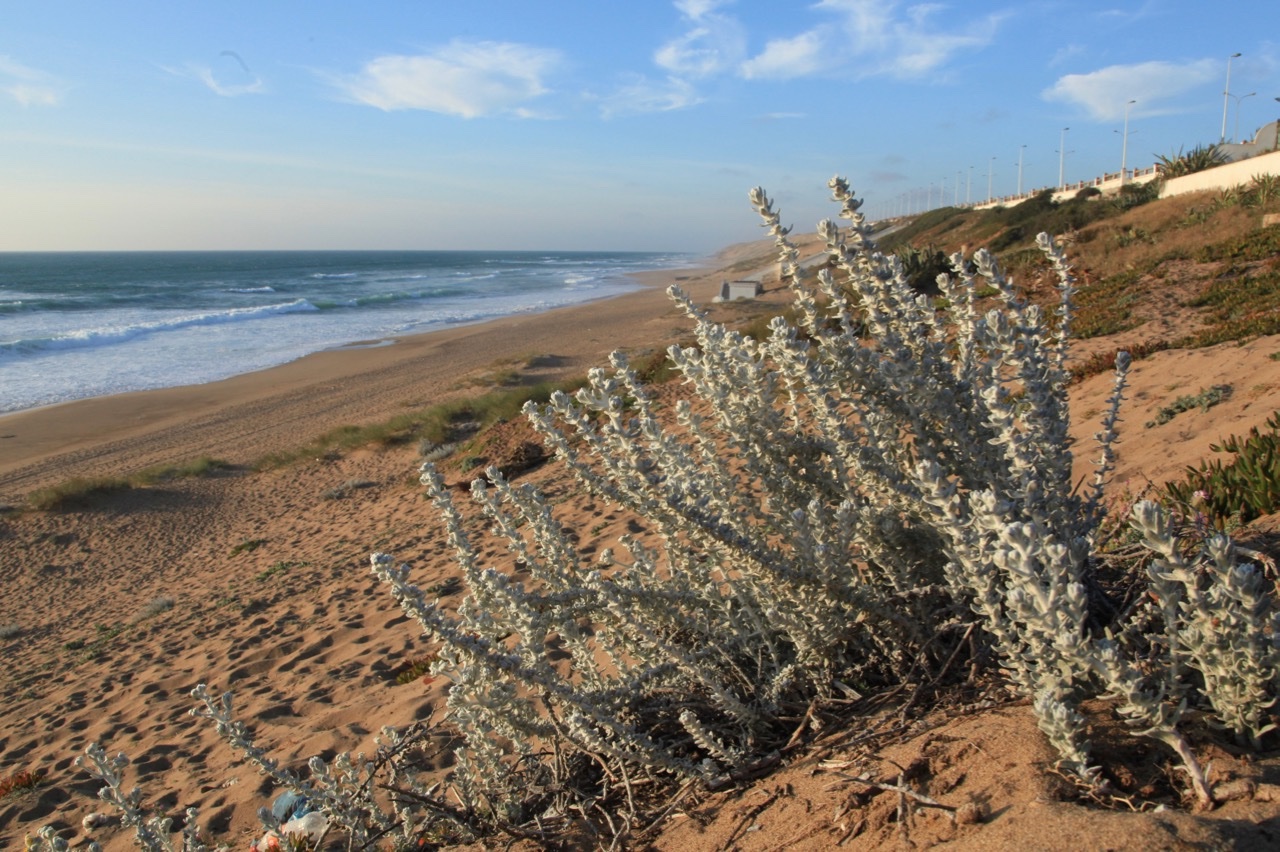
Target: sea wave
(17, 301)
(263, 289)
(112, 335)
(375, 300)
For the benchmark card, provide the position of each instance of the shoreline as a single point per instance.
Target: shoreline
(243, 417)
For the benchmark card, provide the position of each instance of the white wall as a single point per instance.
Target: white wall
(1222, 177)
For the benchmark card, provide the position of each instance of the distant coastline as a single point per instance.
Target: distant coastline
(243, 416)
(89, 324)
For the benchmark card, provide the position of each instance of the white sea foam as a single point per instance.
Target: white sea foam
(108, 335)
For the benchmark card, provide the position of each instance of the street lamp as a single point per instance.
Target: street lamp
(1239, 98)
(1124, 146)
(1062, 158)
(968, 187)
(990, 172)
(1226, 95)
(1021, 149)
(960, 174)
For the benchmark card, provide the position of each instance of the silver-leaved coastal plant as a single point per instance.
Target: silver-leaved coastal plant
(832, 512)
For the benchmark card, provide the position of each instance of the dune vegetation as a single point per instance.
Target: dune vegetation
(867, 496)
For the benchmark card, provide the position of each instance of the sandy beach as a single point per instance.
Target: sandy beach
(259, 582)
(268, 578)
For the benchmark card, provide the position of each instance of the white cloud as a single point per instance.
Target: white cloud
(468, 79)
(1064, 53)
(716, 43)
(785, 58)
(1103, 94)
(874, 37)
(1130, 15)
(644, 96)
(28, 86)
(696, 9)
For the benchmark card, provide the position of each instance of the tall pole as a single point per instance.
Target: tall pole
(1124, 146)
(991, 169)
(1062, 158)
(1226, 96)
(968, 187)
(960, 174)
(1236, 138)
(942, 192)
(1021, 149)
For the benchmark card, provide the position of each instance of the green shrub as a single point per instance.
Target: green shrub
(82, 491)
(76, 492)
(1136, 194)
(278, 568)
(940, 218)
(1244, 488)
(1204, 400)
(921, 267)
(1030, 211)
(1197, 159)
(248, 546)
(1264, 189)
(415, 670)
(198, 467)
(1107, 306)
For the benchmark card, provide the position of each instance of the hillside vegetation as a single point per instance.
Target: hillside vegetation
(843, 518)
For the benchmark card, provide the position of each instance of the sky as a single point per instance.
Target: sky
(583, 124)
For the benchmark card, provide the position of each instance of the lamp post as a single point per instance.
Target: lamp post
(960, 174)
(1021, 149)
(1124, 146)
(1239, 98)
(968, 187)
(1226, 97)
(1062, 158)
(991, 166)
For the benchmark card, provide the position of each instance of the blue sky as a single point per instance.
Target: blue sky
(610, 124)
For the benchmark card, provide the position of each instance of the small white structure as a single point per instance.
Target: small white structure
(742, 289)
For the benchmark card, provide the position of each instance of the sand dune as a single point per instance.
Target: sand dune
(271, 596)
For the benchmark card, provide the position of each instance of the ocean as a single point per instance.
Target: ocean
(84, 324)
